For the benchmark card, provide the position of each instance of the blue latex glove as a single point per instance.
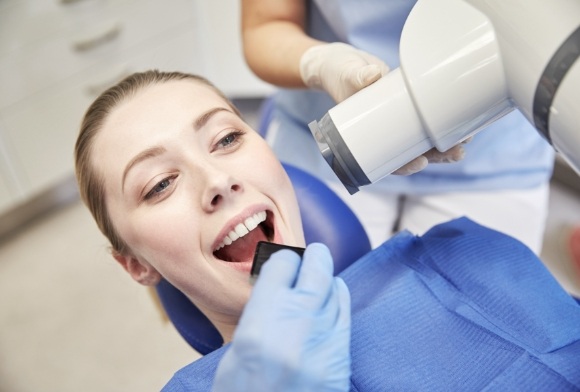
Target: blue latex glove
(294, 334)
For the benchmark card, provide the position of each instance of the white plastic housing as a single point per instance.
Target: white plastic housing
(384, 116)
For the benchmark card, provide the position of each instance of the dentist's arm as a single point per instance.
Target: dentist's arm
(273, 39)
(294, 334)
(279, 51)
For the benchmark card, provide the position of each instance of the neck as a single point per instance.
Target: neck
(226, 325)
(227, 332)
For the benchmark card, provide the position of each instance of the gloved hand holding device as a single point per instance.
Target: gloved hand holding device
(294, 333)
(342, 70)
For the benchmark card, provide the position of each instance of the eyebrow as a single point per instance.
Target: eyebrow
(143, 155)
(205, 117)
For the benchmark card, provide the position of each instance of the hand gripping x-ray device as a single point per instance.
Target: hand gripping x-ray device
(464, 64)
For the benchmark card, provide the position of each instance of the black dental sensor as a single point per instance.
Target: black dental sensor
(263, 252)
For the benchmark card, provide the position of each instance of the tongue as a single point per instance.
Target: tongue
(243, 248)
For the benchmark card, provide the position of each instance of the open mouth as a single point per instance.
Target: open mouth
(240, 244)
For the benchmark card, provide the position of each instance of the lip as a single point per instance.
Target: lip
(236, 220)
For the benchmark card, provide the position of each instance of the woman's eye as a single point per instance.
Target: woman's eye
(159, 188)
(230, 140)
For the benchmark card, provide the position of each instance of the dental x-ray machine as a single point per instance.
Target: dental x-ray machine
(464, 64)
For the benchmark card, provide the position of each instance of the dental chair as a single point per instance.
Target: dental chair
(325, 218)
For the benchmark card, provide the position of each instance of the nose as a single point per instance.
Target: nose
(221, 186)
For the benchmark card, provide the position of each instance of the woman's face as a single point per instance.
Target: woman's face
(184, 178)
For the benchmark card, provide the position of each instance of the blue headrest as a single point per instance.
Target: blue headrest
(325, 218)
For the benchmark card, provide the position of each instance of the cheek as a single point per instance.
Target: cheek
(166, 237)
(268, 165)
(275, 182)
(266, 171)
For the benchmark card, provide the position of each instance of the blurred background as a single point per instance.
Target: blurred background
(70, 319)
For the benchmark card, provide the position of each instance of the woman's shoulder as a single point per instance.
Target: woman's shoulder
(198, 376)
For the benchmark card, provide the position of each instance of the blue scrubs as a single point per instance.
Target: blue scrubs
(461, 308)
(508, 154)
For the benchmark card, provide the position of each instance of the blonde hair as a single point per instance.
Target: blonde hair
(90, 183)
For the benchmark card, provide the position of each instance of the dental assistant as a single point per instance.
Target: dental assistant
(320, 52)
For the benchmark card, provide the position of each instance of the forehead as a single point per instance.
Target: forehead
(186, 95)
(157, 108)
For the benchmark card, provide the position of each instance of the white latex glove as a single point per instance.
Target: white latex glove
(341, 70)
(454, 154)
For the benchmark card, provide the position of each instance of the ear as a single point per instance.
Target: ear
(141, 271)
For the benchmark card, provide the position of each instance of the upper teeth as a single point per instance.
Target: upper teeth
(243, 228)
